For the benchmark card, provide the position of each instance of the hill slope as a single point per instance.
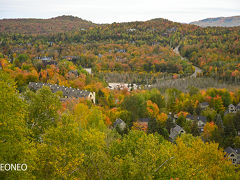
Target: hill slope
(219, 21)
(44, 26)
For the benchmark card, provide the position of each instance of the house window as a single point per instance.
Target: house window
(232, 155)
(234, 160)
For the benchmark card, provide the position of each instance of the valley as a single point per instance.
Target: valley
(151, 99)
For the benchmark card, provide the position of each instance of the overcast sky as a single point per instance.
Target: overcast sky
(108, 11)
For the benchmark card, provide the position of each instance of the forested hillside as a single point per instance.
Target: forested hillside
(118, 101)
(138, 46)
(215, 50)
(44, 26)
(219, 21)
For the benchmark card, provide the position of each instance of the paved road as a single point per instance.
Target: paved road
(197, 69)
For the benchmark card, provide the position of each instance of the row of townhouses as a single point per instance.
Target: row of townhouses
(68, 92)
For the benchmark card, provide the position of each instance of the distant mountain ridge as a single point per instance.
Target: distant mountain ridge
(61, 24)
(44, 26)
(219, 22)
(66, 23)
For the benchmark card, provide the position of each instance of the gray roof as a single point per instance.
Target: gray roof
(70, 58)
(238, 106)
(202, 118)
(119, 123)
(237, 150)
(69, 92)
(204, 104)
(175, 132)
(231, 105)
(198, 118)
(189, 116)
(178, 128)
(230, 150)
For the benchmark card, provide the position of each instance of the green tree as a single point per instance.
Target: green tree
(226, 97)
(157, 98)
(171, 95)
(237, 121)
(60, 155)
(195, 129)
(169, 124)
(218, 104)
(193, 90)
(156, 127)
(21, 59)
(181, 120)
(219, 121)
(15, 147)
(43, 110)
(210, 114)
(229, 128)
(136, 104)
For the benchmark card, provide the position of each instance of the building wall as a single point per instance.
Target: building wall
(92, 97)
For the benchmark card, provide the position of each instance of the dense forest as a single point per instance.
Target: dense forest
(136, 46)
(44, 26)
(127, 133)
(75, 139)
